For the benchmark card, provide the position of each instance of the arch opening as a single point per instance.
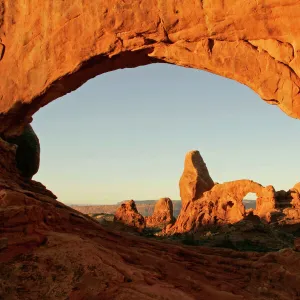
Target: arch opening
(249, 201)
(145, 121)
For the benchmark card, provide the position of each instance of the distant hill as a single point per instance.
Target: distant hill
(249, 203)
(145, 207)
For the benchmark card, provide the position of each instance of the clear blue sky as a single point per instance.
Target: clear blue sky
(123, 135)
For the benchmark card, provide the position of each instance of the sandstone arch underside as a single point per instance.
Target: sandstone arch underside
(49, 48)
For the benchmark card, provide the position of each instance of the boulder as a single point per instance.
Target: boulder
(28, 152)
(128, 214)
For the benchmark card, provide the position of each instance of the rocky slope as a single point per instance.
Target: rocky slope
(49, 251)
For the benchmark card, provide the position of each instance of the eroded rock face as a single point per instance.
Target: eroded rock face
(265, 202)
(205, 202)
(128, 214)
(195, 179)
(223, 204)
(163, 214)
(288, 199)
(69, 43)
(289, 204)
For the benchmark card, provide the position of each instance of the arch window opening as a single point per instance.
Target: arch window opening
(249, 201)
(101, 145)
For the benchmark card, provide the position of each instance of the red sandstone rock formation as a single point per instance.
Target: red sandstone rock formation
(288, 198)
(295, 195)
(266, 202)
(289, 204)
(223, 204)
(49, 251)
(60, 49)
(297, 187)
(195, 179)
(163, 214)
(128, 214)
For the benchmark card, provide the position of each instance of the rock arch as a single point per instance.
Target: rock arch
(224, 204)
(44, 56)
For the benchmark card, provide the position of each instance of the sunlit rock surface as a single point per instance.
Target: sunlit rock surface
(46, 55)
(128, 214)
(49, 48)
(162, 215)
(195, 179)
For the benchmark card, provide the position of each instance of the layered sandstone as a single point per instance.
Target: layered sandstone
(128, 214)
(44, 56)
(163, 214)
(195, 179)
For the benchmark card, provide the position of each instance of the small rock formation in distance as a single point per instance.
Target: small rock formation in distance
(163, 214)
(128, 214)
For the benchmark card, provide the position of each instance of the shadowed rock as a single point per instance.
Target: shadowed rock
(28, 152)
